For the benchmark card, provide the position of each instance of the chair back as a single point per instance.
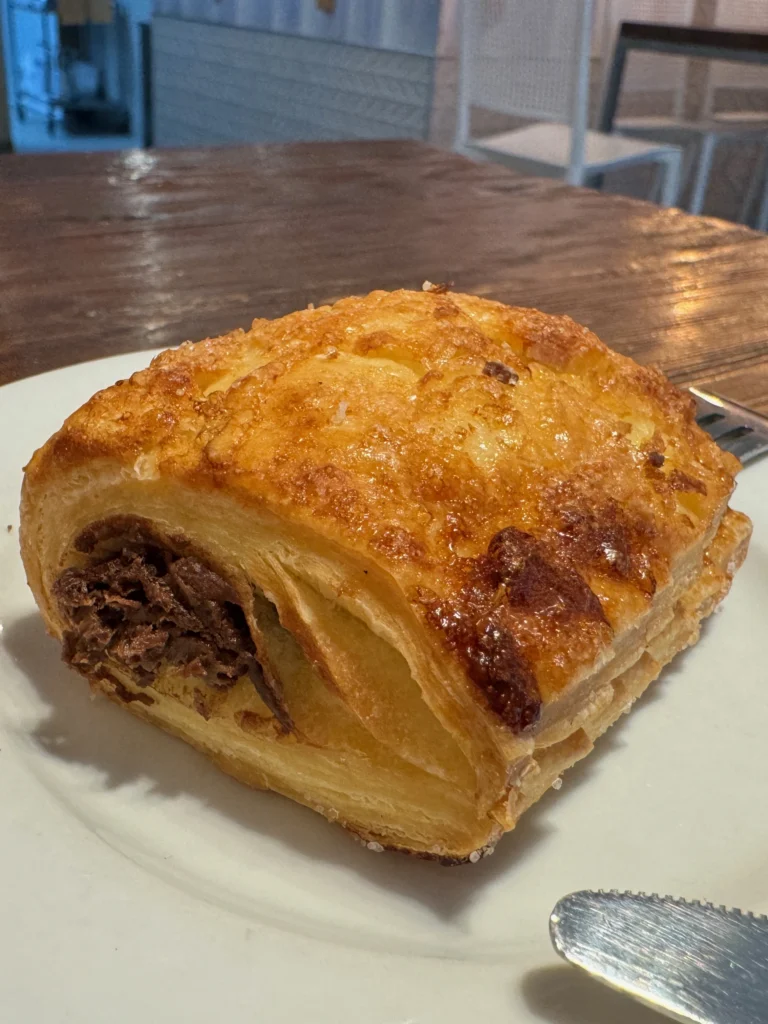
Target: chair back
(528, 59)
(653, 83)
(749, 16)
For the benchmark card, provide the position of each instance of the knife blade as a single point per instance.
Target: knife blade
(691, 961)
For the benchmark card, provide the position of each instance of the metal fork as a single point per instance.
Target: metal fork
(736, 429)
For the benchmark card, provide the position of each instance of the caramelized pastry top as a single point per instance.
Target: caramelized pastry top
(527, 488)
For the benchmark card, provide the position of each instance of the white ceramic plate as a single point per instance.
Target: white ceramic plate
(137, 883)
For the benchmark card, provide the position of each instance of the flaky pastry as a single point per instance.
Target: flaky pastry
(401, 559)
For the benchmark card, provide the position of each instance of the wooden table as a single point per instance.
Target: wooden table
(108, 253)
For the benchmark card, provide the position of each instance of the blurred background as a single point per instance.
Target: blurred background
(525, 82)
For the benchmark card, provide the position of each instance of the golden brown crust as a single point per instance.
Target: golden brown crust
(374, 420)
(498, 506)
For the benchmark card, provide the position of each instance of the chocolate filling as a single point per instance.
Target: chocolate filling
(148, 608)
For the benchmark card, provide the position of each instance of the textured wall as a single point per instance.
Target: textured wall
(409, 26)
(216, 84)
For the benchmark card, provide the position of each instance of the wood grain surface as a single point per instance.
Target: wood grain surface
(108, 253)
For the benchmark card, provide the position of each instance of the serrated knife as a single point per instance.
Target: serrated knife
(690, 961)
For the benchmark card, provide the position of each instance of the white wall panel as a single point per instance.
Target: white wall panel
(217, 83)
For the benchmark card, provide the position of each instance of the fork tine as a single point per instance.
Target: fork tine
(747, 447)
(709, 419)
(725, 430)
(704, 399)
(735, 428)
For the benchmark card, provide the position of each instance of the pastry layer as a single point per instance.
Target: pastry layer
(401, 559)
(360, 784)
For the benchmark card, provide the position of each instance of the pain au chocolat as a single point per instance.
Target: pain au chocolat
(401, 559)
